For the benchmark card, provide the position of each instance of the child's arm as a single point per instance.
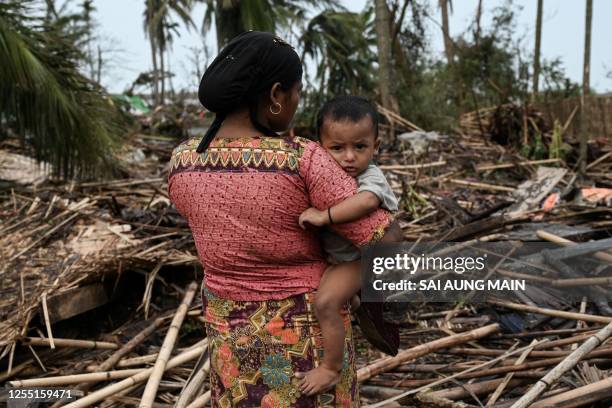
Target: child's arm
(351, 209)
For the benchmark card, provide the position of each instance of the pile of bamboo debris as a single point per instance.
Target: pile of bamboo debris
(65, 247)
(58, 238)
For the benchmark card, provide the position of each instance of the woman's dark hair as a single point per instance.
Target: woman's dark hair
(244, 72)
(347, 108)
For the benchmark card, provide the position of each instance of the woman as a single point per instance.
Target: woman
(242, 189)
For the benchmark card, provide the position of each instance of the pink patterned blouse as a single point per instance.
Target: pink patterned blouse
(242, 199)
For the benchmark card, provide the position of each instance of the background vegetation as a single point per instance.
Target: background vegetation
(50, 74)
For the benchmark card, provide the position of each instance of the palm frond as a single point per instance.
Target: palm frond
(64, 117)
(337, 41)
(257, 15)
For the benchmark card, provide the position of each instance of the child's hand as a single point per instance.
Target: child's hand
(314, 217)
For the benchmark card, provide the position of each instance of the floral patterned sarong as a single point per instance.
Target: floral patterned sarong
(257, 346)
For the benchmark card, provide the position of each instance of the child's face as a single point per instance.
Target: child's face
(351, 144)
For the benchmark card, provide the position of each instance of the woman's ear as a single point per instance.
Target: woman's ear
(275, 93)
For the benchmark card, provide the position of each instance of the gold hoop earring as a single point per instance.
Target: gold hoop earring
(280, 108)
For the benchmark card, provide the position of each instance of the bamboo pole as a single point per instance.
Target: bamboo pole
(429, 400)
(400, 383)
(47, 321)
(479, 388)
(550, 312)
(412, 166)
(531, 374)
(544, 333)
(564, 342)
(112, 389)
(109, 402)
(398, 118)
(606, 351)
(201, 401)
(576, 282)
(519, 164)
(130, 345)
(601, 255)
(430, 368)
(133, 361)
(389, 363)
(449, 378)
(596, 162)
(137, 361)
(376, 392)
(580, 396)
(122, 182)
(150, 390)
(15, 370)
(70, 343)
(502, 386)
(76, 378)
(547, 362)
(567, 364)
(193, 385)
(482, 186)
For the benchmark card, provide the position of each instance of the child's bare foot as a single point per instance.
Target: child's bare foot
(318, 380)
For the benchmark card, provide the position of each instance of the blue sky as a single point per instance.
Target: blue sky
(120, 27)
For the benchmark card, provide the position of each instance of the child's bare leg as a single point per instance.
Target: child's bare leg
(338, 285)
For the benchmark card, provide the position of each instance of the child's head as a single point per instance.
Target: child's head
(348, 130)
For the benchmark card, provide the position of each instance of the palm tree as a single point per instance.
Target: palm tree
(233, 17)
(538, 42)
(341, 44)
(64, 117)
(158, 27)
(586, 71)
(448, 43)
(150, 31)
(586, 75)
(383, 40)
(477, 31)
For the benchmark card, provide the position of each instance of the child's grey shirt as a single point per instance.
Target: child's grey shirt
(373, 180)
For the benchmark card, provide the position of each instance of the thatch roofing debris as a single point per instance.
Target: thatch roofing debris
(72, 239)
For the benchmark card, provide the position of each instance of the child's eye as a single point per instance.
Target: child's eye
(335, 148)
(361, 146)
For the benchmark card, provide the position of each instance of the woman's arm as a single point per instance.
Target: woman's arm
(351, 209)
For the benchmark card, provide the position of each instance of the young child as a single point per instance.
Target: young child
(348, 130)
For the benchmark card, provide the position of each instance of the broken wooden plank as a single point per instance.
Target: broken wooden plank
(75, 301)
(530, 193)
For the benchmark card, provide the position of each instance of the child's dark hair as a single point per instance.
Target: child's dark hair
(347, 107)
